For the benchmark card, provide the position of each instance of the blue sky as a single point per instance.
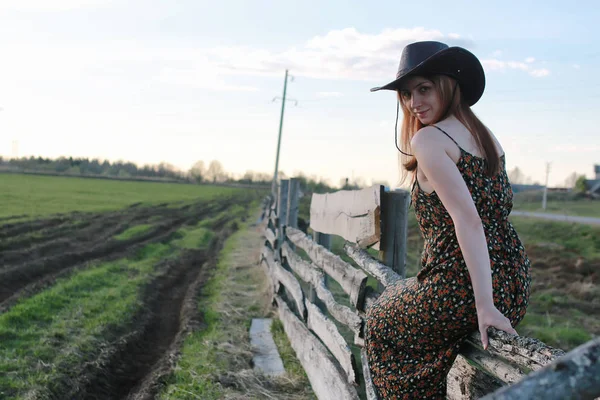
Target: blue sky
(181, 81)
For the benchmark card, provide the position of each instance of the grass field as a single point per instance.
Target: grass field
(34, 196)
(95, 302)
(557, 203)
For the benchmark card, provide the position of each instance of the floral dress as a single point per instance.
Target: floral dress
(416, 327)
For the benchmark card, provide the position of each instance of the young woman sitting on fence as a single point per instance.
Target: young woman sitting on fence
(474, 270)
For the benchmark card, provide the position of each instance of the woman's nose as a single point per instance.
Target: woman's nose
(415, 102)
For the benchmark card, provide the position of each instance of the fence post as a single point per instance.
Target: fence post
(292, 217)
(394, 215)
(282, 212)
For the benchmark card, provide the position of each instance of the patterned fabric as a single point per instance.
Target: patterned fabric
(415, 329)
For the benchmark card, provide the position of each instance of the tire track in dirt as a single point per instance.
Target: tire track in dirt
(83, 228)
(134, 366)
(34, 273)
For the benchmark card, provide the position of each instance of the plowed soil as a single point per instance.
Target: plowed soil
(34, 254)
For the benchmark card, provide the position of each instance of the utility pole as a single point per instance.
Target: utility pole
(274, 186)
(544, 198)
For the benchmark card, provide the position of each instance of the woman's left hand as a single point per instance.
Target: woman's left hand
(488, 316)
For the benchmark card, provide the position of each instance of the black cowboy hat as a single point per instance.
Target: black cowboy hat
(435, 58)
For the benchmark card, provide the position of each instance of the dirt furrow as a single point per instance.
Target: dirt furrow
(35, 273)
(134, 366)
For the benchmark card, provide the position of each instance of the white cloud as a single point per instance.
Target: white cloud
(576, 66)
(529, 60)
(329, 94)
(339, 54)
(539, 73)
(497, 65)
(497, 53)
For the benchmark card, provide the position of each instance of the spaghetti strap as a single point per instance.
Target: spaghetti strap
(441, 130)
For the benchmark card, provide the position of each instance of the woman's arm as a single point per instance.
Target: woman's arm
(444, 176)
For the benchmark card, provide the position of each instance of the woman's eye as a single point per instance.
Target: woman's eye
(405, 95)
(424, 89)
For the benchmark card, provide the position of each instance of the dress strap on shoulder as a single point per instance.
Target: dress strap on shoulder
(441, 130)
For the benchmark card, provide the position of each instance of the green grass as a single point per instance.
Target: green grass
(553, 330)
(195, 238)
(286, 352)
(43, 195)
(557, 203)
(578, 239)
(133, 231)
(44, 337)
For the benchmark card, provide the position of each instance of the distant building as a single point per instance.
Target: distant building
(517, 187)
(592, 186)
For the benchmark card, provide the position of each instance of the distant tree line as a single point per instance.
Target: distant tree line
(198, 173)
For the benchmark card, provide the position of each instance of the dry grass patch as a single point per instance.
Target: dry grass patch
(216, 360)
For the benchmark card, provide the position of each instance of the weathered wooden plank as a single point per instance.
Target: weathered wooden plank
(326, 330)
(326, 378)
(310, 274)
(352, 214)
(576, 375)
(268, 259)
(382, 273)
(271, 237)
(289, 281)
(465, 382)
(369, 387)
(495, 365)
(526, 353)
(394, 217)
(352, 280)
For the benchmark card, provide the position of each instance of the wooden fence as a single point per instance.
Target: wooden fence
(326, 329)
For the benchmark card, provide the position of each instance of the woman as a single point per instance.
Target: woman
(475, 273)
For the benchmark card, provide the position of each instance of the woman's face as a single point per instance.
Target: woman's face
(421, 97)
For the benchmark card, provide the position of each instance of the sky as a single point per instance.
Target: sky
(179, 81)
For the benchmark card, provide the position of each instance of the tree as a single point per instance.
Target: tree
(198, 171)
(580, 184)
(516, 176)
(571, 180)
(215, 172)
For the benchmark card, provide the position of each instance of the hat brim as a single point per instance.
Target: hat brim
(456, 62)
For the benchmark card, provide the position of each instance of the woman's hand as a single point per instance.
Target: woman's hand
(488, 315)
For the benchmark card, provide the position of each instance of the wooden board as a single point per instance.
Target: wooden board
(465, 382)
(271, 238)
(310, 274)
(354, 215)
(353, 281)
(385, 275)
(527, 353)
(495, 365)
(576, 375)
(369, 387)
(326, 330)
(328, 381)
(291, 284)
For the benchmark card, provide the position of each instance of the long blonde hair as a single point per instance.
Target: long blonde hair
(453, 103)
